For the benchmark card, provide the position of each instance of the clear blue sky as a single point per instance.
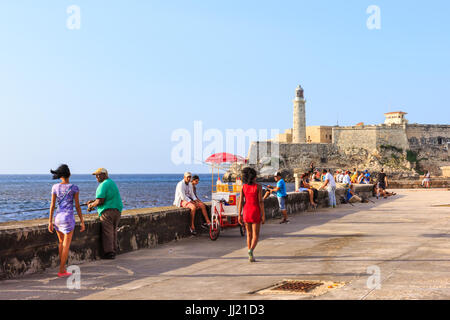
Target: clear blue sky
(111, 94)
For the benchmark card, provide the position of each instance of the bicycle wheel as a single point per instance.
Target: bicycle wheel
(214, 231)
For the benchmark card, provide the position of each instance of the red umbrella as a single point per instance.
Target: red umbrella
(224, 157)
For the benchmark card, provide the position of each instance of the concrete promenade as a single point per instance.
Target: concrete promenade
(406, 236)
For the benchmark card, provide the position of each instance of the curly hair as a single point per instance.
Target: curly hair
(248, 175)
(62, 172)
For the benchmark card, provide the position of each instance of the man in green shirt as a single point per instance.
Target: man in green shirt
(109, 206)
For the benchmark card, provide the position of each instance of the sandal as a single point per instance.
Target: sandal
(193, 232)
(64, 274)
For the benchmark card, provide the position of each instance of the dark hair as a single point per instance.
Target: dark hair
(62, 172)
(324, 171)
(248, 175)
(195, 177)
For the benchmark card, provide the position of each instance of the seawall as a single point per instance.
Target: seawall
(27, 247)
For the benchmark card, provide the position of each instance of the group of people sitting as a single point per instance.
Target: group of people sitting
(346, 177)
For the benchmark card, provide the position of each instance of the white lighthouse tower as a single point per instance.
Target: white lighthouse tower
(299, 126)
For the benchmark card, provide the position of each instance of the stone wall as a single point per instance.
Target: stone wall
(420, 136)
(27, 247)
(364, 137)
(370, 138)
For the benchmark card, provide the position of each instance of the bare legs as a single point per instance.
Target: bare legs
(252, 238)
(202, 206)
(311, 198)
(64, 245)
(193, 207)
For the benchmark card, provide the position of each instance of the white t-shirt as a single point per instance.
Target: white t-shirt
(330, 179)
(347, 179)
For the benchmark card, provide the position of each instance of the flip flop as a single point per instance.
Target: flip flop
(64, 274)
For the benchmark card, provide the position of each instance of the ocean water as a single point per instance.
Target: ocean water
(19, 193)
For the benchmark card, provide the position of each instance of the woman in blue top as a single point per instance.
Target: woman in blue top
(64, 194)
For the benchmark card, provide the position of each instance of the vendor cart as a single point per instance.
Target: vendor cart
(224, 197)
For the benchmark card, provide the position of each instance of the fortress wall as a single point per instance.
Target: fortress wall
(292, 155)
(422, 135)
(356, 137)
(392, 136)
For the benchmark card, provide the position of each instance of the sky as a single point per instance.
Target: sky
(112, 92)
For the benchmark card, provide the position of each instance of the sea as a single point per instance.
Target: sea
(21, 193)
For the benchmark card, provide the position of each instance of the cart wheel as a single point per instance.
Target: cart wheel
(242, 229)
(214, 232)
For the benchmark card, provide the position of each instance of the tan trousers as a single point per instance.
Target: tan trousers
(110, 219)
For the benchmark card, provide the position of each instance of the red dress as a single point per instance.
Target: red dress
(251, 211)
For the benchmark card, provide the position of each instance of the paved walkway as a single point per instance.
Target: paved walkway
(406, 237)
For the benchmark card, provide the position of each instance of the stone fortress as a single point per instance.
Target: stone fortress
(397, 146)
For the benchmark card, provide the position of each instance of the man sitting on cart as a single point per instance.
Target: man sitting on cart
(185, 198)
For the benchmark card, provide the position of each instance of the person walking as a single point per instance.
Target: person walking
(330, 184)
(382, 184)
(64, 195)
(251, 209)
(109, 207)
(426, 179)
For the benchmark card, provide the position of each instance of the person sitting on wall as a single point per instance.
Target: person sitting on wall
(360, 178)
(354, 178)
(317, 176)
(184, 198)
(346, 179)
(305, 186)
(199, 203)
(367, 177)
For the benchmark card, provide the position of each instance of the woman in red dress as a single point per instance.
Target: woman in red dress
(251, 209)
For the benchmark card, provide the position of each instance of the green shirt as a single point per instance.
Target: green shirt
(108, 190)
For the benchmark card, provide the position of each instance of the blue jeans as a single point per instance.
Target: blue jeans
(332, 195)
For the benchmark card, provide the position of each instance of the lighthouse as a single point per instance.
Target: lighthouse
(299, 126)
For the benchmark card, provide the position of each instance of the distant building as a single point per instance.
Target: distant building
(397, 117)
(319, 134)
